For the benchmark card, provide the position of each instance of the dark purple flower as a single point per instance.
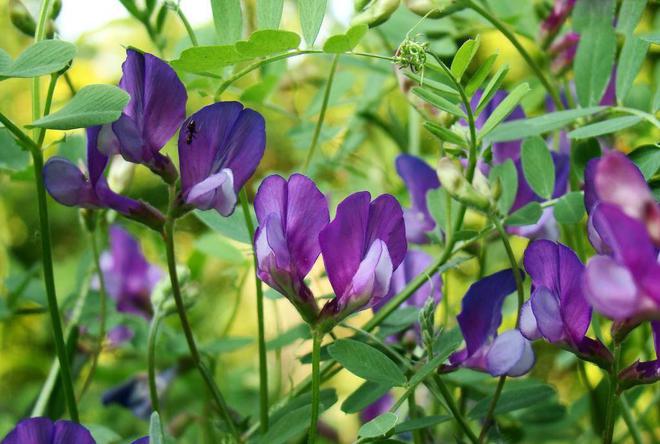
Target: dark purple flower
(509, 353)
(134, 393)
(220, 147)
(625, 284)
(419, 178)
(154, 113)
(128, 277)
(143, 440)
(291, 215)
(646, 372)
(45, 431)
(377, 408)
(557, 309)
(361, 247)
(70, 186)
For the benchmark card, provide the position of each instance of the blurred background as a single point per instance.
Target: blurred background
(369, 122)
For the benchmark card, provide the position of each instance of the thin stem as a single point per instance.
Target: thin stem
(21, 137)
(186, 24)
(41, 134)
(491, 409)
(39, 34)
(263, 361)
(102, 313)
(453, 408)
(412, 412)
(610, 416)
(151, 360)
(324, 107)
(503, 28)
(317, 339)
(512, 260)
(168, 236)
(237, 303)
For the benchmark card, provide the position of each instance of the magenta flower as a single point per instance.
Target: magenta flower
(419, 178)
(509, 353)
(128, 277)
(152, 116)
(70, 186)
(45, 431)
(291, 214)
(361, 247)
(220, 147)
(557, 309)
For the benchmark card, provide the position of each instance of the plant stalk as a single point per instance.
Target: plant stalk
(317, 339)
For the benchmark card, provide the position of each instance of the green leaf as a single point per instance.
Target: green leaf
(647, 159)
(155, 430)
(447, 344)
(208, 58)
(523, 128)
(12, 156)
(311, 14)
(439, 87)
(582, 151)
(300, 331)
(630, 62)
(269, 13)
(604, 127)
(380, 426)
(445, 134)
(439, 102)
(596, 50)
(228, 20)
(420, 423)
(337, 44)
(366, 362)
(504, 108)
(266, 42)
(92, 105)
(527, 215)
(232, 227)
(514, 398)
(479, 77)
(463, 57)
(538, 167)
(45, 57)
(570, 208)
(508, 176)
(629, 14)
(491, 88)
(364, 396)
(219, 247)
(225, 345)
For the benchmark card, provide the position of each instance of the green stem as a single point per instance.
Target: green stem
(186, 24)
(168, 236)
(504, 29)
(151, 360)
(412, 412)
(610, 416)
(41, 134)
(39, 35)
(317, 339)
(21, 137)
(628, 417)
(491, 409)
(324, 107)
(453, 408)
(102, 313)
(263, 361)
(512, 260)
(237, 303)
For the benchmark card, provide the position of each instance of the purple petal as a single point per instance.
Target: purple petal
(610, 288)
(386, 223)
(144, 440)
(545, 306)
(377, 408)
(528, 326)
(96, 160)
(67, 432)
(67, 184)
(510, 354)
(31, 431)
(590, 194)
(419, 178)
(481, 312)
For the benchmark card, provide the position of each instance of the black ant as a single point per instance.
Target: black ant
(191, 128)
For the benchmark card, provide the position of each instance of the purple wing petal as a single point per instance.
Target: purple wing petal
(96, 160)
(67, 184)
(419, 178)
(31, 431)
(481, 312)
(610, 288)
(67, 432)
(545, 305)
(386, 223)
(528, 326)
(510, 354)
(590, 193)
(144, 440)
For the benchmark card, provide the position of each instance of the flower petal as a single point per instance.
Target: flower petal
(32, 431)
(510, 354)
(528, 326)
(67, 432)
(545, 306)
(386, 223)
(67, 184)
(419, 178)
(610, 288)
(216, 191)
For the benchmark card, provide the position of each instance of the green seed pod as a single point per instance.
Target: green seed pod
(376, 13)
(160, 18)
(434, 8)
(56, 8)
(21, 18)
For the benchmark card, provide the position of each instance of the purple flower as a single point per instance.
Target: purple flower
(509, 353)
(134, 393)
(129, 278)
(646, 372)
(557, 309)
(291, 215)
(220, 147)
(45, 431)
(376, 408)
(626, 284)
(563, 51)
(68, 185)
(419, 178)
(154, 113)
(361, 247)
(553, 22)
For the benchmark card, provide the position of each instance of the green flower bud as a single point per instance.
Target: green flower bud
(21, 17)
(452, 179)
(434, 8)
(376, 12)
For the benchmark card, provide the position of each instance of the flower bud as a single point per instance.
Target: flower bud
(452, 179)
(434, 8)
(21, 17)
(376, 13)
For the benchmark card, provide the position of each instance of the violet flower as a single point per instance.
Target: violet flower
(646, 372)
(419, 178)
(557, 309)
(70, 186)
(154, 113)
(45, 431)
(128, 277)
(377, 408)
(509, 353)
(361, 247)
(291, 214)
(220, 147)
(134, 393)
